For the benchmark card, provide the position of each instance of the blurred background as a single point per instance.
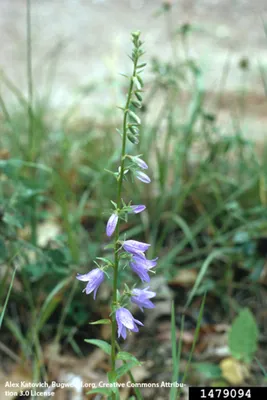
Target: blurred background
(203, 135)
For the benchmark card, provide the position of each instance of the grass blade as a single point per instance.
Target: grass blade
(7, 297)
(213, 255)
(176, 355)
(196, 334)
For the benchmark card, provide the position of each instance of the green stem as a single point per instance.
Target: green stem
(61, 189)
(63, 316)
(30, 80)
(117, 233)
(136, 389)
(31, 155)
(170, 33)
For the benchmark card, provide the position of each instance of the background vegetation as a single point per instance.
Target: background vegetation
(206, 219)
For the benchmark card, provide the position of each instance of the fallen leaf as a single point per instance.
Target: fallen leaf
(234, 371)
(4, 154)
(185, 278)
(46, 232)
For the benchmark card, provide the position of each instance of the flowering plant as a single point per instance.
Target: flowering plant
(131, 252)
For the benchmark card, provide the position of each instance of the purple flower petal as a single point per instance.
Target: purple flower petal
(141, 163)
(141, 266)
(142, 177)
(84, 277)
(144, 292)
(141, 259)
(141, 271)
(125, 320)
(112, 223)
(138, 209)
(141, 298)
(121, 329)
(123, 332)
(94, 279)
(135, 247)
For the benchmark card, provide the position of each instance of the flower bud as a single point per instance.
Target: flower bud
(142, 177)
(138, 95)
(137, 104)
(134, 129)
(112, 223)
(132, 138)
(138, 208)
(141, 163)
(135, 117)
(136, 34)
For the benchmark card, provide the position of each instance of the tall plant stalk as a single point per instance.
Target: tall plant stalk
(129, 130)
(31, 144)
(119, 204)
(29, 78)
(125, 252)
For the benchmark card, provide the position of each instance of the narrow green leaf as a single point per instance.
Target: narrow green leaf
(184, 226)
(124, 355)
(16, 332)
(212, 256)
(101, 322)
(176, 362)
(7, 297)
(141, 65)
(3, 250)
(101, 344)
(261, 367)
(51, 302)
(200, 316)
(125, 368)
(125, 76)
(105, 391)
(109, 246)
(173, 336)
(105, 260)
